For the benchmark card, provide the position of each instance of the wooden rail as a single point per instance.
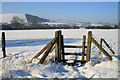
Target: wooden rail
(77, 54)
(74, 54)
(108, 46)
(105, 42)
(47, 52)
(71, 46)
(100, 45)
(54, 39)
(76, 60)
(52, 49)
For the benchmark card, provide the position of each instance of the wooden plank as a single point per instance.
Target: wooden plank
(3, 44)
(52, 49)
(98, 45)
(75, 60)
(71, 64)
(44, 49)
(80, 61)
(83, 49)
(60, 49)
(57, 46)
(108, 46)
(62, 44)
(74, 54)
(46, 53)
(72, 46)
(88, 46)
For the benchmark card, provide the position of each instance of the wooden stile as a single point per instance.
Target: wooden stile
(88, 46)
(3, 44)
(83, 48)
(59, 46)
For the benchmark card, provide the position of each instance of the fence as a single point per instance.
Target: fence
(57, 43)
(60, 46)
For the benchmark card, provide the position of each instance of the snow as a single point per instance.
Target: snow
(97, 25)
(53, 23)
(7, 18)
(19, 55)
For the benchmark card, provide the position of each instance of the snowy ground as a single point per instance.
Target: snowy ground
(22, 45)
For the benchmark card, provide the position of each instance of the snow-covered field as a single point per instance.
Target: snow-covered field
(22, 45)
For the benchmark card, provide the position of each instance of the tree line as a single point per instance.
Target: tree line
(19, 24)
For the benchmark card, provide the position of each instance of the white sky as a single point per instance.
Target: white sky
(60, 0)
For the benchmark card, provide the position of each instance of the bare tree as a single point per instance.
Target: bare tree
(17, 22)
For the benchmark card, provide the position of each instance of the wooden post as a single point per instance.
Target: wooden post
(108, 46)
(100, 45)
(95, 42)
(83, 49)
(60, 49)
(88, 46)
(62, 44)
(3, 44)
(56, 46)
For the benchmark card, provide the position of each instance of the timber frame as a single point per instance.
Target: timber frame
(57, 43)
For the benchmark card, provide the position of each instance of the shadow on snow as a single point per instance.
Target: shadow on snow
(35, 42)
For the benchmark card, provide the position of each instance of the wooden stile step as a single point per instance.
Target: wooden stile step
(79, 54)
(71, 46)
(73, 63)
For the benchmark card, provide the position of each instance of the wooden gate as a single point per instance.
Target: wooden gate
(83, 54)
(58, 44)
